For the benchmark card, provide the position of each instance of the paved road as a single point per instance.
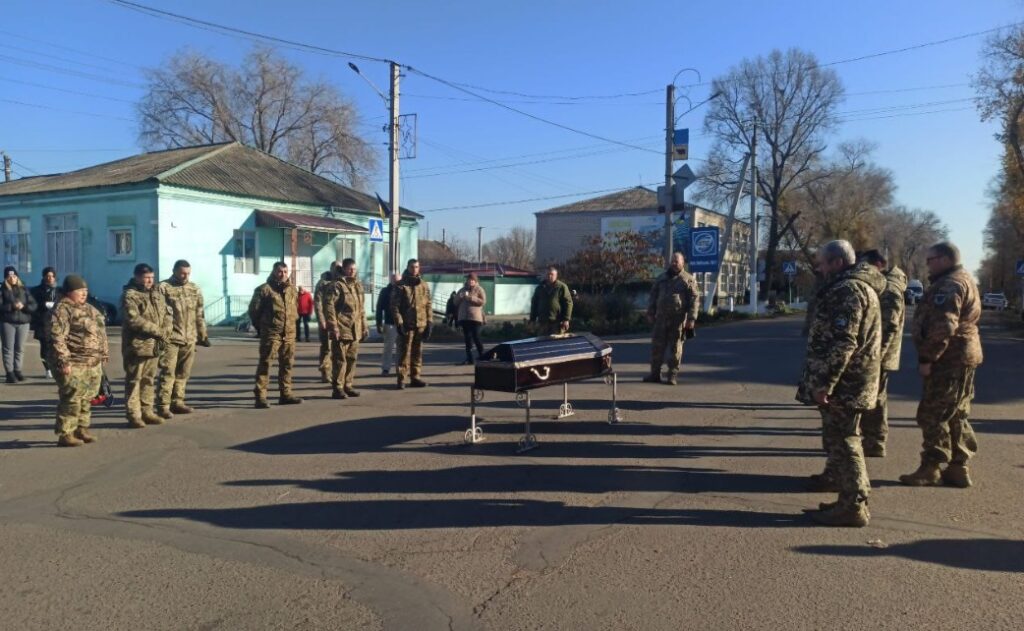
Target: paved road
(372, 514)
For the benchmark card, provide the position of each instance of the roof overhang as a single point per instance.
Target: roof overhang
(272, 219)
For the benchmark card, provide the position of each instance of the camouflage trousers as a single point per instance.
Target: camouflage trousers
(844, 462)
(874, 424)
(666, 345)
(410, 354)
(344, 356)
(139, 385)
(284, 350)
(325, 350)
(942, 416)
(175, 370)
(76, 389)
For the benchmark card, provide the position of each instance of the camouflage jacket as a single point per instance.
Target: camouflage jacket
(273, 309)
(674, 296)
(318, 296)
(946, 321)
(410, 303)
(185, 301)
(146, 322)
(845, 341)
(344, 309)
(894, 307)
(77, 334)
(551, 303)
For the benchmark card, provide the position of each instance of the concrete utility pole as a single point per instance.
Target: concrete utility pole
(7, 166)
(753, 220)
(393, 146)
(479, 244)
(670, 124)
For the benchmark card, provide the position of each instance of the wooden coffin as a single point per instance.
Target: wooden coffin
(537, 362)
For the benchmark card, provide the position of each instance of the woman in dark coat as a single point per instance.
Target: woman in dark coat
(16, 308)
(45, 295)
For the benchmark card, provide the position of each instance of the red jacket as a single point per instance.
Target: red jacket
(305, 304)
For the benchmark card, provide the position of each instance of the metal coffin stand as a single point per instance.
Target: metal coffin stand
(524, 365)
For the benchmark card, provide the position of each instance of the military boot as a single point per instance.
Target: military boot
(261, 404)
(927, 474)
(82, 434)
(874, 450)
(288, 399)
(822, 483)
(670, 378)
(400, 385)
(352, 392)
(856, 517)
(164, 412)
(337, 393)
(417, 383)
(956, 474)
(135, 421)
(68, 440)
(149, 418)
(179, 407)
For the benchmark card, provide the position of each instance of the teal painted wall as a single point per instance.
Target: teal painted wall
(505, 296)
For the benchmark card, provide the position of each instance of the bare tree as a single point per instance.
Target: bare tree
(905, 235)
(1000, 88)
(462, 249)
(793, 101)
(517, 248)
(267, 103)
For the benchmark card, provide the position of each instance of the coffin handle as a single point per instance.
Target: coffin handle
(544, 377)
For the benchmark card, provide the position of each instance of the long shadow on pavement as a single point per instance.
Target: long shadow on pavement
(993, 555)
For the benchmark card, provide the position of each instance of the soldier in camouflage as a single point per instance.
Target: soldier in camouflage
(272, 311)
(841, 377)
(145, 329)
(945, 333)
(413, 314)
(77, 351)
(188, 328)
(672, 308)
(874, 424)
(326, 279)
(345, 321)
(551, 306)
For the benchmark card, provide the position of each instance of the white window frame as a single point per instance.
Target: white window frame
(345, 247)
(20, 241)
(244, 259)
(112, 232)
(60, 258)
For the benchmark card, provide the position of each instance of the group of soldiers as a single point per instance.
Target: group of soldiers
(854, 343)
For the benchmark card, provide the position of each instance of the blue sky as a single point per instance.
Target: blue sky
(942, 160)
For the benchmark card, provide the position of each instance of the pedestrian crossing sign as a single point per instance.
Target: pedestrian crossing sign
(1020, 268)
(789, 268)
(377, 231)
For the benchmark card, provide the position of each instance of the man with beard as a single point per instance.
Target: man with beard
(672, 309)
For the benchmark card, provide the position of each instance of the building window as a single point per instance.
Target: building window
(121, 243)
(62, 243)
(245, 252)
(346, 248)
(15, 233)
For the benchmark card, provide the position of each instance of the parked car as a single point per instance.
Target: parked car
(995, 300)
(108, 310)
(915, 291)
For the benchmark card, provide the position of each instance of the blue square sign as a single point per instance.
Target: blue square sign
(377, 231)
(1020, 268)
(704, 250)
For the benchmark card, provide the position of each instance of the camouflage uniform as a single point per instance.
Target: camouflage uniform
(345, 321)
(272, 311)
(673, 300)
(875, 422)
(412, 312)
(843, 360)
(325, 339)
(188, 326)
(945, 332)
(78, 341)
(145, 329)
(551, 306)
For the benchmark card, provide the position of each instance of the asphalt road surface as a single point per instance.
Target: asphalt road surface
(371, 513)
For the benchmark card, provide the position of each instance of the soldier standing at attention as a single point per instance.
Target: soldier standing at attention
(672, 307)
(874, 424)
(841, 377)
(188, 328)
(325, 339)
(945, 331)
(145, 330)
(345, 320)
(272, 311)
(411, 310)
(551, 306)
(77, 351)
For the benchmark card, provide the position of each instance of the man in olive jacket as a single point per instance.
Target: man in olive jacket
(145, 330)
(841, 377)
(672, 308)
(345, 320)
(413, 314)
(188, 328)
(551, 307)
(272, 311)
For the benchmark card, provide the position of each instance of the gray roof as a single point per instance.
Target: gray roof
(230, 168)
(636, 198)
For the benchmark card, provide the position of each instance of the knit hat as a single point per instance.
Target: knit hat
(9, 269)
(472, 276)
(73, 282)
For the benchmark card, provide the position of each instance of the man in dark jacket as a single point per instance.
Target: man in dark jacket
(551, 307)
(386, 325)
(45, 295)
(16, 308)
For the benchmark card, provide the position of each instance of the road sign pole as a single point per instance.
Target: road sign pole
(670, 124)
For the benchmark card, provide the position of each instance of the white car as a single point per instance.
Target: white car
(996, 301)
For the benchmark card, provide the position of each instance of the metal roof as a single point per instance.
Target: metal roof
(272, 219)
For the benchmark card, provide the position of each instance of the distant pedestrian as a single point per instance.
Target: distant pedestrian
(451, 310)
(386, 325)
(551, 307)
(16, 308)
(45, 294)
(470, 301)
(305, 308)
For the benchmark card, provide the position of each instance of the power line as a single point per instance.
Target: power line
(74, 73)
(534, 199)
(57, 57)
(50, 87)
(58, 109)
(69, 49)
(915, 89)
(22, 166)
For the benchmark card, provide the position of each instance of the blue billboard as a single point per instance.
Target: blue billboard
(704, 243)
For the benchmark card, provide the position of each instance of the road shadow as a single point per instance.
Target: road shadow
(991, 555)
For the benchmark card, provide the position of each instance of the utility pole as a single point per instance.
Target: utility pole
(479, 245)
(753, 220)
(396, 213)
(670, 124)
(7, 166)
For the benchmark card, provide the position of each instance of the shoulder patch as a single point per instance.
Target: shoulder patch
(841, 322)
